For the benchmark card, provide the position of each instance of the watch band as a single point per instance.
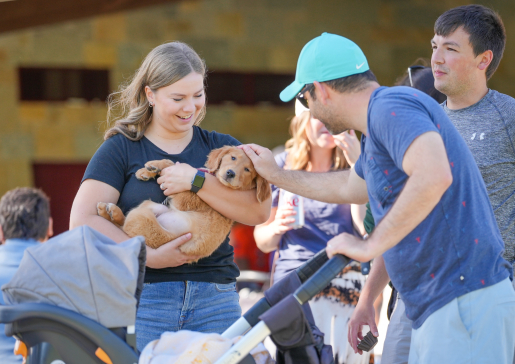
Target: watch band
(198, 181)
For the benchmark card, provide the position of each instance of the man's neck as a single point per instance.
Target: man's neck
(363, 126)
(22, 240)
(466, 99)
(355, 105)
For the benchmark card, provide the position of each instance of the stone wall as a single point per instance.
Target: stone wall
(231, 35)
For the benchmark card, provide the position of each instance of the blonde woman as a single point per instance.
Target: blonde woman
(159, 113)
(313, 148)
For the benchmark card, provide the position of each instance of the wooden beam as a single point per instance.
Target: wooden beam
(22, 14)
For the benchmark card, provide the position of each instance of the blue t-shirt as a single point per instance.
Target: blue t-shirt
(322, 222)
(11, 253)
(458, 247)
(116, 162)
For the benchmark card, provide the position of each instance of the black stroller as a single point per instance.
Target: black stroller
(285, 315)
(50, 332)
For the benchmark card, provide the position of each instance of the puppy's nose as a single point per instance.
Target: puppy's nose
(230, 173)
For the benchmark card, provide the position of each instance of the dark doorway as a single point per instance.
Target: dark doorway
(60, 181)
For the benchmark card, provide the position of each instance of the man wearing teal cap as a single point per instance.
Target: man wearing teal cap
(435, 232)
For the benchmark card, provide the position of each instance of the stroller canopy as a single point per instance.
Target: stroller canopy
(83, 271)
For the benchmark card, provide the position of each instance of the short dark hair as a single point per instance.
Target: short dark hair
(352, 83)
(24, 214)
(484, 26)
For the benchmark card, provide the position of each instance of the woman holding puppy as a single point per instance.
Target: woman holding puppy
(159, 113)
(313, 148)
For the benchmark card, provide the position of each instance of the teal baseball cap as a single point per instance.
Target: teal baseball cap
(325, 58)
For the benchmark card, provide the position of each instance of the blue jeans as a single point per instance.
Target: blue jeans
(196, 306)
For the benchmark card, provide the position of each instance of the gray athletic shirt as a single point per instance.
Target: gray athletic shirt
(488, 128)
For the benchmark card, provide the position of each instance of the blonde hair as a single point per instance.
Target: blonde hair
(129, 109)
(298, 146)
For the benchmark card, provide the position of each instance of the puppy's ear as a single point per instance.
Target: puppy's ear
(215, 158)
(263, 190)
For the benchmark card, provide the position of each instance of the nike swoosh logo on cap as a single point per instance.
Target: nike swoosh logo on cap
(361, 65)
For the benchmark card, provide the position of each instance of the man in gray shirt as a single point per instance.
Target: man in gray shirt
(467, 48)
(466, 52)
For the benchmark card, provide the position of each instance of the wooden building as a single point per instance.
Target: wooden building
(59, 60)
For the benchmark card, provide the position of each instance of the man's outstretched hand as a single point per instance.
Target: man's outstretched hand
(263, 160)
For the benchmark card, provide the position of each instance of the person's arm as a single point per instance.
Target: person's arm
(84, 212)
(364, 314)
(350, 145)
(358, 213)
(84, 209)
(268, 235)
(237, 205)
(332, 187)
(429, 176)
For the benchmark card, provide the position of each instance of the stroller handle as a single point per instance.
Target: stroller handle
(321, 279)
(251, 317)
(239, 350)
(309, 268)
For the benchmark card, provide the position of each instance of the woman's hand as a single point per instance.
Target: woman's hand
(283, 220)
(349, 143)
(168, 255)
(176, 178)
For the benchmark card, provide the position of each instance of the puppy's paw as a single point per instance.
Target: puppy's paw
(144, 174)
(158, 166)
(152, 168)
(102, 210)
(115, 213)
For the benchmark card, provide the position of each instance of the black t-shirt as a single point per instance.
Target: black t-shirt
(116, 162)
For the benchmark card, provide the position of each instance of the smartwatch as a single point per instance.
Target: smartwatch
(198, 181)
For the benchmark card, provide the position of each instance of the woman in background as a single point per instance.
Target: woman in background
(314, 149)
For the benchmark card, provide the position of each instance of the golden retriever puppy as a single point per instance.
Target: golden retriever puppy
(186, 212)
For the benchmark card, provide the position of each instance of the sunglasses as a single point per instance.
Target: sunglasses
(300, 95)
(412, 69)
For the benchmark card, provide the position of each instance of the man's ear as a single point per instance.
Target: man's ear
(1, 235)
(215, 158)
(322, 92)
(50, 230)
(485, 59)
